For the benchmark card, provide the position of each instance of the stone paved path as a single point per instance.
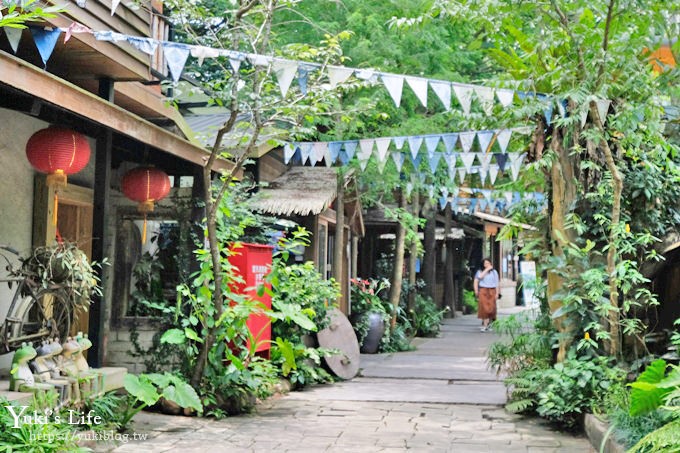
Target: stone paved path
(439, 398)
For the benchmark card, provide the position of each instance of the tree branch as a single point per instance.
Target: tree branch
(605, 41)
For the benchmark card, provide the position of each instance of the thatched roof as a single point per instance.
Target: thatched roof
(301, 190)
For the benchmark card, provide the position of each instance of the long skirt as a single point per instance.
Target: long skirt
(486, 308)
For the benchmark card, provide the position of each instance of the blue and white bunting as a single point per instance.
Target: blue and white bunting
(14, 37)
(503, 139)
(45, 40)
(285, 71)
(466, 140)
(419, 87)
(431, 143)
(381, 145)
(434, 162)
(175, 57)
(484, 139)
(365, 148)
(399, 142)
(464, 96)
(334, 150)
(505, 96)
(338, 75)
(350, 148)
(443, 92)
(398, 159)
(394, 85)
(449, 141)
(414, 144)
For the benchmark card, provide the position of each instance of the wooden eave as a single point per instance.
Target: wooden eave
(35, 82)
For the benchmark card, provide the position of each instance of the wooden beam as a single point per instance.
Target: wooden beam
(29, 79)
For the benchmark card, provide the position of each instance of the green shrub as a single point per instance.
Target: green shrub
(469, 300)
(629, 429)
(426, 318)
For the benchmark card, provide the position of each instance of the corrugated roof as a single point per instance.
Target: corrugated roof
(301, 190)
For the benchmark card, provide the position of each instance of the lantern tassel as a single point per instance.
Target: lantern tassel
(144, 231)
(56, 209)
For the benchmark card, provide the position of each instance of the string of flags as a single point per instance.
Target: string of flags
(468, 201)
(447, 150)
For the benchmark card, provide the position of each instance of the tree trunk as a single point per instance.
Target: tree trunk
(339, 236)
(398, 270)
(563, 181)
(413, 256)
(430, 243)
(448, 266)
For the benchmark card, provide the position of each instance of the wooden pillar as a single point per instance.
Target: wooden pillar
(413, 256)
(449, 299)
(339, 243)
(430, 258)
(99, 312)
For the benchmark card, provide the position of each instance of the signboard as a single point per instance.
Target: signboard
(527, 269)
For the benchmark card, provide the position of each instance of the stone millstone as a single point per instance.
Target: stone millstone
(340, 335)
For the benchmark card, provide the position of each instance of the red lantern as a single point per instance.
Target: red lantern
(58, 152)
(145, 185)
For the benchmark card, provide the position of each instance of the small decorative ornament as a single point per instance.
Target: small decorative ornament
(58, 152)
(145, 185)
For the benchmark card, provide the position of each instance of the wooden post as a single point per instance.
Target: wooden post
(448, 266)
(398, 270)
(430, 258)
(339, 244)
(413, 253)
(99, 312)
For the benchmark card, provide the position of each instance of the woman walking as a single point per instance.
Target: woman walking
(487, 290)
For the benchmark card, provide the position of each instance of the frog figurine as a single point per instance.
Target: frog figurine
(67, 367)
(21, 378)
(84, 369)
(43, 366)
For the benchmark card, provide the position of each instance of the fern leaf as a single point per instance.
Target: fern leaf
(520, 405)
(666, 439)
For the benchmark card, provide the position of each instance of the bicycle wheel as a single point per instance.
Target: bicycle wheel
(45, 315)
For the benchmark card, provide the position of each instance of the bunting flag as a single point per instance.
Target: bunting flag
(14, 37)
(461, 175)
(399, 142)
(350, 148)
(382, 144)
(368, 75)
(493, 174)
(414, 144)
(419, 87)
(74, 28)
(466, 140)
(450, 141)
(175, 57)
(431, 143)
(45, 40)
(464, 95)
(515, 164)
(467, 159)
(381, 165)
(146, 45)
(338, 75)
(434, 162)
(344, 158)
(583, 117)
(305, 152)
(288, 152)
(285, 72)
(501, 159)
(114, 6)
(202, 52)
(603, 108)
(485, 96)
(450, 159)
(398, 159)
(302, 77)
(443, 92)
(484, 159)
(484, 139)
(505, 97)
(319, 151)
(334, 150)
(366, 148)
(503, 139)
(416, 162)
(482, 174)
(395, 86)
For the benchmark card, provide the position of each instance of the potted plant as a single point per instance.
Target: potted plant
(369, 314)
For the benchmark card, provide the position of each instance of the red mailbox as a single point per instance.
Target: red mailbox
(252, 263)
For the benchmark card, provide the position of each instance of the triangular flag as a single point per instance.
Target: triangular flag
(319, 151)
(305, 151)
(501, 159)
(603, 108)
(363, 163)
(443, 92)
(562, 108)
(398, 159)
(450, 159)
(365, 74)
(461, 175)
(464, 95)
(484, 138)
(285, 71)
(419, 87)
(449, 141)
(466, 140)
(467, 159)
(327, 158)
(114, 6)
(505, 96)
(338, 74)
(45, 40)
(548, 110)
(344, 158)
(366, 148)
(288, 152)
(394, 85)
(303, 76)
(492, 206)
(508, 197)
(176, 55)
(14, 36)
(415, 160)
(235, 64)
(334, 150)
(202, 52)
(414, 143)
(382, 144)
(482, 174)
(516, 165)
(485, 96)
(493, 173)
(482, 204)
(584, 117)
(486, 193)
(485, 160)
(473, 205)
(146, 45)
(434, 162)
(350, 148)
(431, 143)
(443, 201)
(381, 165)
(503, 139)
(399, 142)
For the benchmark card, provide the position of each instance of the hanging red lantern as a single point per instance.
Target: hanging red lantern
(58, 152)
(145, 185)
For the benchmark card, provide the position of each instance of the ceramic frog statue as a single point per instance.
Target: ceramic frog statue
(84, 369)
(21, 378)
(43, 366)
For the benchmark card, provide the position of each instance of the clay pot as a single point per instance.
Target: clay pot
(376, 330)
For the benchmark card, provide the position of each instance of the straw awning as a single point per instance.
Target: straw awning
(300, 191)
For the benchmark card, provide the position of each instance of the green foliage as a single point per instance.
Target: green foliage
(469, 300)
(646, 392)
(426, 318)
(299, 363)
(629, 429)
(110, 410)
(666, 439)
(19, 13)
